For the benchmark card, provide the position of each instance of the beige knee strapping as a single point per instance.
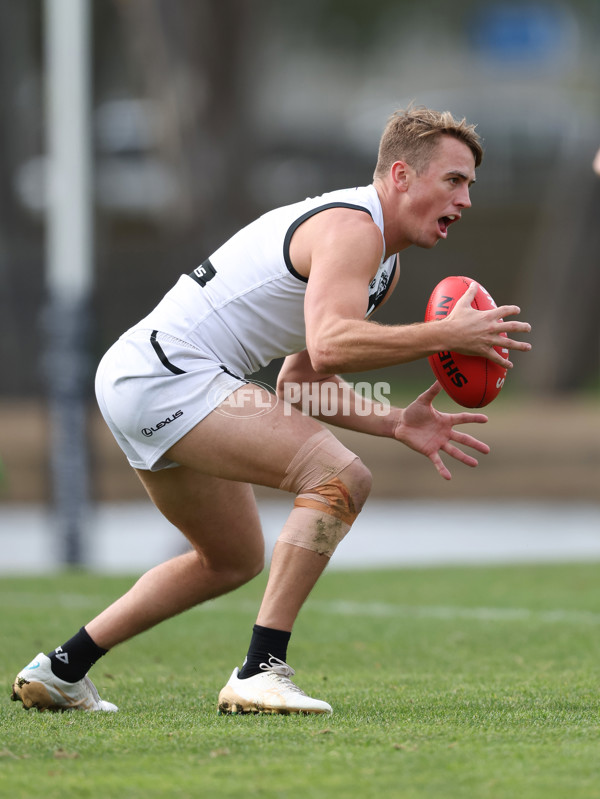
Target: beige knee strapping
(314, 529)
(324, 509)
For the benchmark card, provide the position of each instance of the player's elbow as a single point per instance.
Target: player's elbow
(329, 346)
(325, 359)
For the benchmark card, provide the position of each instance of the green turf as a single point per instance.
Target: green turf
(458, 682)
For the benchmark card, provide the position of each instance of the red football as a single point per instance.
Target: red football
(470, 380)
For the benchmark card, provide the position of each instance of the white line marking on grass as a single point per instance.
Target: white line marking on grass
(344, 607)
(386, 610)
(21, 599)
(336, 607)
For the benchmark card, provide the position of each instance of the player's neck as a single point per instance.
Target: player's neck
(390, 202)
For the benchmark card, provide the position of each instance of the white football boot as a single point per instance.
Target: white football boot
(269, 692)
(36, 686)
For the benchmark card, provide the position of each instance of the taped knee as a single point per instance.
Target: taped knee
(332, 498)
(314, 475)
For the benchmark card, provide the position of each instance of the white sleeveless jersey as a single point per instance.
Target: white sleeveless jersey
(244, 306)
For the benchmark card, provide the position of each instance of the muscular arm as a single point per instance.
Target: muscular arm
(340, 250)
(331, 399)
(419, 426)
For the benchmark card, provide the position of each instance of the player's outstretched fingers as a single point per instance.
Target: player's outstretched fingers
(439, 464)
(470, 441)
(466, 417)
(459, 455)
(431, 393)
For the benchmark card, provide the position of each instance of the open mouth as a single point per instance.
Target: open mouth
(444, 223)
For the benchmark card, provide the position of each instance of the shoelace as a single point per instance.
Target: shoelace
(281, 672)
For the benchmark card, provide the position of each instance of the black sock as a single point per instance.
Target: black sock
(265, 643)
(72, 661)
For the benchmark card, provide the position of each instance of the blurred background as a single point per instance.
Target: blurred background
(186, 119)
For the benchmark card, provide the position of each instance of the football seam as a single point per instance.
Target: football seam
(481, 402)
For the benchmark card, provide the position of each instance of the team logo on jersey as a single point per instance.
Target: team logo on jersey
(377, 289)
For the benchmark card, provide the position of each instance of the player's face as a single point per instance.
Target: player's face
(437, 197)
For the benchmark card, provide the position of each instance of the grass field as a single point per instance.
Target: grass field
(456, 682)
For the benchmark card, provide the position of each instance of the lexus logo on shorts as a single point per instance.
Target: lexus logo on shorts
(148, 431)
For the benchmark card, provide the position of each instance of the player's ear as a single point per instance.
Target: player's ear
(399, 174)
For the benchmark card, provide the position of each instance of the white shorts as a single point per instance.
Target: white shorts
(153, 388)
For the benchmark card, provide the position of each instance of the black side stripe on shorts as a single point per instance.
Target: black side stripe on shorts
(163, 358)
(237, 377)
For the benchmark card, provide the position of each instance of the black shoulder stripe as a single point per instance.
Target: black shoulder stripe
(296, 224)
(163, 358)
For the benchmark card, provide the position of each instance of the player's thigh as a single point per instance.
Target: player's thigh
(219, 517)
(236, 443)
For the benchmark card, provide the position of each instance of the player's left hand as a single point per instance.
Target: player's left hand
(428, 431)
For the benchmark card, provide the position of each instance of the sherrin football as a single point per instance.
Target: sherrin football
(470, 380)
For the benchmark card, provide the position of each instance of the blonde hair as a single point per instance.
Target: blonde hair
(412, 134)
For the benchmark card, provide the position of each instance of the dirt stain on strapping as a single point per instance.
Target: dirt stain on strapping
(329, 531)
